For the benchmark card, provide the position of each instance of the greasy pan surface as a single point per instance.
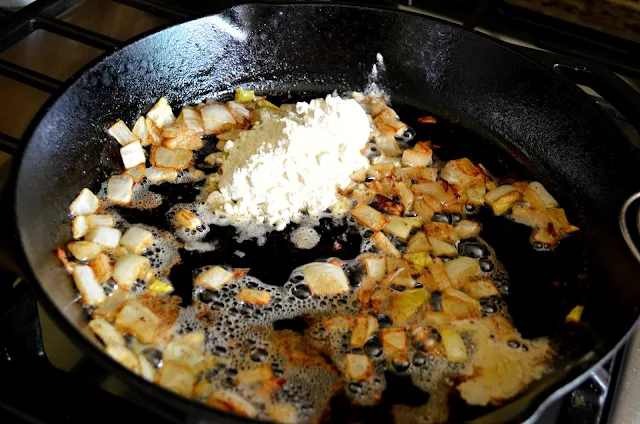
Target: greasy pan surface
(546, 126)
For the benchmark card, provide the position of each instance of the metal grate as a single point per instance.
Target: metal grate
(546, 32)
(42, 15)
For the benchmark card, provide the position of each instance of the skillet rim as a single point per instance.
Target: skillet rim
(526, 407)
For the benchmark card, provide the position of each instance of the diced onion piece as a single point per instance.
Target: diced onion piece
(227, 400)
(85, 204)
(475, 195)
(363, 193)
(388, 123)
(187, 219)
(544, 236)
(217, 118)
(325, 279)
(173, 130)
(102, 268)
(459, 304)
(110, 308)
(453, 344)
(496, 193)
(120, 189)
(129, 268)
(442, 248)
(544, 198)
(437, 278)
(122, 134)
(529, 216)
(266, 104)
(388, 145)
(419, 260)
(158, 286)
(418, 243)
(395, 344)
(398, 226)
(192, 120)
(106, 332)
(358, 367)
(419, 174)
(502, 198)
(184, 355)
(467, 229)
(136, 319)
(254, 297)
(124, 357)
(214, 278)
(399, 278)
(462, 173)
(161, 114)
(84, 250)
(177, 379)
(62, 256)
(140, 130)
(380, 241)
(462, 269)
(163, 157)
(426, 206)
(559, 219)
(416, 157)
(405, 304)
(575, 315)
(442, 231)
(375, 266)
(86, 283)
(136, 239)
(405, 194)
(147, 371)
(240, 113)
(254, 375)
(137, 173)
(439, 190)
(101, 221)
(155, 133)
(480, 288)
(185, 141)
(160, 174)
(282, 413)
(244, 96)
(106, 236)
(385, 205)
(79, 226)
(369, 217)
(365, 327)
(132, 155)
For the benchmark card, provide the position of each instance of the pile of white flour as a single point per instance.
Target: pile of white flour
(293, 162)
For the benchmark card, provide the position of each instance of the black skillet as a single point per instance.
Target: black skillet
(500, 103)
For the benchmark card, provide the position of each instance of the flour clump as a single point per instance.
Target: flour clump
(292, 161)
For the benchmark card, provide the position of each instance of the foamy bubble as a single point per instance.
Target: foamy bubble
(305, 238)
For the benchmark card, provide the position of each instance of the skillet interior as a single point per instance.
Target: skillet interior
(541, 122)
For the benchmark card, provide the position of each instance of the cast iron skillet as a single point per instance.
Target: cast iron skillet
(544, 125)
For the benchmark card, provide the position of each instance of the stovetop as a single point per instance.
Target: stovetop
(45, 379)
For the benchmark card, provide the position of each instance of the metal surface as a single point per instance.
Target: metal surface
(626, 403)
(630, 223)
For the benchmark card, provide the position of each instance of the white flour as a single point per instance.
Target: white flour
(293, 163)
